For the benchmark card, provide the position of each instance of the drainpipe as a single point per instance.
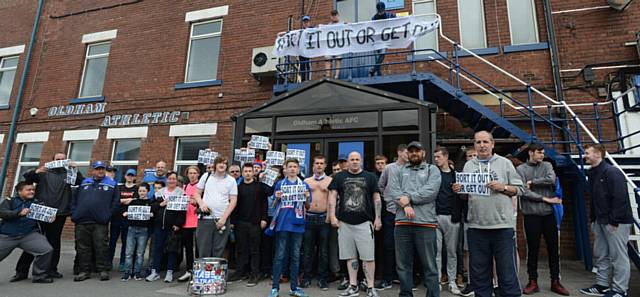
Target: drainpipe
(18, 104)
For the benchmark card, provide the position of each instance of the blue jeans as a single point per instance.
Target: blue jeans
(305, 68)
(485, 245)
(117, 229)
(316, 234)
(412, 240)
(292, 242)
(136, 243)
(378, 62)
(159, 242)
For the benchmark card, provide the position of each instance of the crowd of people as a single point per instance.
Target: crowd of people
(408, 217)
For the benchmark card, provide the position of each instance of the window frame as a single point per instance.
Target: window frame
(192, 38)
(84, 68)
(535, 24)
(6, 69)
(115, 163)
(435, 6)
(24, 164)
(177, 163)
(80, 163)
(484, 26)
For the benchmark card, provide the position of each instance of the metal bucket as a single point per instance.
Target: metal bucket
(209, 277)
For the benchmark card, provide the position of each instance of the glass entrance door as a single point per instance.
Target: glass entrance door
(341, 148)
(311, 148)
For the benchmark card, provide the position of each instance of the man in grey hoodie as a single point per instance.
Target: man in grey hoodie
(414, 189)
(491, 222)
(537, 208)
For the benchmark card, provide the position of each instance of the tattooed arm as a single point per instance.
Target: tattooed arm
(377, 202)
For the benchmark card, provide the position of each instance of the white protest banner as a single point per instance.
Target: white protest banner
(293, 193)
(42, 213)
(269, 177)
(72, 175)
(57, 164)
(139, 212)
(337, 39)
(259, 142)
(474, 183)
(207, 156)
(275, 158)
(178, 203)
(296, 154)
(244, 156)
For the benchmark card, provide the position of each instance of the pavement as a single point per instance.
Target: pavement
(574, 277)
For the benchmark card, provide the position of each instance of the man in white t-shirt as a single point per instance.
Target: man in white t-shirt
(215, 207)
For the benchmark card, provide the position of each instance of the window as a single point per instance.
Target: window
(187, 152)
(522, 21)
(29, 159)
(95, 69)
(204, 49)
(429, 40)
(8, 67)
(80, 152)
(126, 153)
(472, 27)
(352, 11)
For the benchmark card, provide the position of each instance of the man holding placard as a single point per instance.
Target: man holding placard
(17, 230)
(491, 222)
(53, 190)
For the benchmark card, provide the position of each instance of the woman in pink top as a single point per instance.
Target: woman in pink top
(193, 174)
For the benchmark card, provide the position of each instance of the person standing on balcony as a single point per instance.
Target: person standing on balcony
(537, 207)
(333, 62)
(611, 219)
(305, 63)
(381, 14)
(491, 222)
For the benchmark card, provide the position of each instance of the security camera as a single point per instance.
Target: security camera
(33, 111)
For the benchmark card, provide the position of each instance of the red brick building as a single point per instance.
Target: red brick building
(133, 82)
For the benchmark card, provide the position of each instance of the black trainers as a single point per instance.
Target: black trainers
(104, 276)
(253, 280)
(236, 276)
(44, 280)
(82, 277)
(351, 291)
(467, 291)
(18, 277)
(344, 284)
(595, 290)
(323, 285)
(305, 283)
(383, 284)
(371, 292)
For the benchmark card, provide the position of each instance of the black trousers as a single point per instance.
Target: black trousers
(53, 233)
(248, 247)
(534, 226)
(187, 246)
(90, 239)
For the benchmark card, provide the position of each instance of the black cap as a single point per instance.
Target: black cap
(415, 144)
(111, 169)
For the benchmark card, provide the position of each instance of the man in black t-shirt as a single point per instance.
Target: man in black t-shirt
(358, 214)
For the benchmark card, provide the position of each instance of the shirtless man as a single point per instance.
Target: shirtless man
(317, 225)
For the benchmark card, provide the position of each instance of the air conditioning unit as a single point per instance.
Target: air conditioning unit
(263, 62)
(619, 5)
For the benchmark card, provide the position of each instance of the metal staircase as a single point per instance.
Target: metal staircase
(564, 129)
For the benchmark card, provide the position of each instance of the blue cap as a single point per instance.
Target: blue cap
(306, 18)
(98, 164)
(131, 171)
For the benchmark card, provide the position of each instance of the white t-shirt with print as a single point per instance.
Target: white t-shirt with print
(217, 192)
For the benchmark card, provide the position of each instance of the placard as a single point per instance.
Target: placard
(207, 156)
(474, 183)
(259, 142)
(269, 177)
(275, 158)
(297, 154)
(57, 164)
(42, 213)
(293, 193)
(177, 203)
(72, 175)
(139, 212)
(245, 156)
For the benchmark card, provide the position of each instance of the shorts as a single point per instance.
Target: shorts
(356, 240)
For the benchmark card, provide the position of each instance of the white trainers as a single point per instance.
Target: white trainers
(453, 288)
(169, 277)
(185, 277)
(154, 276)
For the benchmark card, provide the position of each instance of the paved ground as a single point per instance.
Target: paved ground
(574, 278)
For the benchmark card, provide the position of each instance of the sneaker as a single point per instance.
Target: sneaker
(274, 293)
(253, 280)
(153, 276)
(363, 285)
(82, 277)
(169, 277)
(185, 277)
(298, 293)
(612, 293)
(383, 285)
(344, 284)
(104, 276)
(467, 291)
(351, 291)
(371, 292)
(323, 285)
(236, 276)
(138, 276)
(595, 290)
(126, 277)
(305, 283)
(444, 279)
(453, 288)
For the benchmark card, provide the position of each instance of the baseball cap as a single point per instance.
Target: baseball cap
(111, 168)
(98, 164)
(131, 171)
(415, 144)
(306, 18)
